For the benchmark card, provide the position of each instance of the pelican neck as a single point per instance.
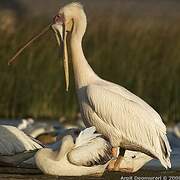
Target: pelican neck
(66, 146)
(83, 72)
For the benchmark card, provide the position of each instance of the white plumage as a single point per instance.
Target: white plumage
(90, 149)
(15, 146)
(139, 126)
(122, 117)
(14, 141)
(86, 136)
(76, 159)
(34, 129)
(25, 123)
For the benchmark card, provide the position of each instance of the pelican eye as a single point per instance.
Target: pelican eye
(133, 157)
(59, 18)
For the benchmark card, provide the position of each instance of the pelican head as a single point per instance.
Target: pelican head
(63, 23)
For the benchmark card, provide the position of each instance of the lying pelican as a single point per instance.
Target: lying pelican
(89, 154)
(15, 146)
(122, 117)
(18, 149)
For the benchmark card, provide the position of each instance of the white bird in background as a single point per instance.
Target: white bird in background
(25, 123)
(16, 147)
(89, 154)
(34, 129)
(123, 118)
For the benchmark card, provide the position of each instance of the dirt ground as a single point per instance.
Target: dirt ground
(9, 173)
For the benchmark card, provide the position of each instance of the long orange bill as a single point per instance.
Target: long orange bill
(42, 32)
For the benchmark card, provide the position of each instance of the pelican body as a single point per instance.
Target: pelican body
(89, 155)
(122, 117)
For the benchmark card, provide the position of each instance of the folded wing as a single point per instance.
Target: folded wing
(90, 149)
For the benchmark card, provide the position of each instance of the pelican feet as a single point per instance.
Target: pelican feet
(118, 165)
(111, 165)
(121, 166)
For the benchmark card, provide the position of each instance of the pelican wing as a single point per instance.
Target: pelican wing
(114, 88)
(14, 141)
(86, 136)
(136, 123)
(90, 149)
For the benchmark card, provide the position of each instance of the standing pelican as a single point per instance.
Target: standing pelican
(122, 117)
